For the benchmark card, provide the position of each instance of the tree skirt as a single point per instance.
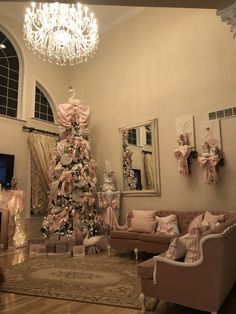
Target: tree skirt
(94, 279)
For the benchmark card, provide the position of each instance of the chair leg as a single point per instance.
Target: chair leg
(109, 250)
(142, 301)
(148, 303)
(136, 253)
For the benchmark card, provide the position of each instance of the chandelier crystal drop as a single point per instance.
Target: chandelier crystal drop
(60, 33)
(228, 15)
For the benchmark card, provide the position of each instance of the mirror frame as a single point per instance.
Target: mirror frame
(156, 161)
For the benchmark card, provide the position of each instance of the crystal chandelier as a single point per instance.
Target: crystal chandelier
(60, 33)
(228, 15)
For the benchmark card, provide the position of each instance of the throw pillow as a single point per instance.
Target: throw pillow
(212, 220)
(192, 246)
(142, 225)
(144, 214)
(168, 224)
(177, 248)
(196, 221)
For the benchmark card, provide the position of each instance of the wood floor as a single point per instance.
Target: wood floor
(19, 304)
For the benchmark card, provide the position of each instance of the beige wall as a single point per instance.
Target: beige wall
(163, 63)
(160, 64)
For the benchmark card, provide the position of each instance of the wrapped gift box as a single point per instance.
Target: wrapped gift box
(54, 237)
(37, 249)
(50, 247)
(36, 241)
(60, 247)
(70, 244)
(67, 237)
(78, 250)
(37, 246)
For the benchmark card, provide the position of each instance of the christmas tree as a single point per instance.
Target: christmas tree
(72, 198)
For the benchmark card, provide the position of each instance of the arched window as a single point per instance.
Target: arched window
(9, 77)
(42, 109)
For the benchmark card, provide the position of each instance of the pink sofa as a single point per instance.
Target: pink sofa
(201, 285)
(155, 242)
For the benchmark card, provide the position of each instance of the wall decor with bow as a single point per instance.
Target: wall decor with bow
(211, 157)
(185, 151)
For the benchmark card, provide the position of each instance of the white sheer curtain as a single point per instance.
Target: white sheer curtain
(148, 166)
(41, 152)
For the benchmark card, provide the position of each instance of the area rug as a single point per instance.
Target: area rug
(94, 279)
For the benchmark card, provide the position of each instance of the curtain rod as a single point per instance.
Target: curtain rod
(31, 129)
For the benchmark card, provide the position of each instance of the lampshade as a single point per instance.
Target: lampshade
(60, 33)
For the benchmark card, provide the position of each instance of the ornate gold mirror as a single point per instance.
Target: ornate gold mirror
(140, 159)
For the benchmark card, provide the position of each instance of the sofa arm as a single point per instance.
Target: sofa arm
(171, 265)
(121, 228)
(160, 259)
(205, 283)
(127, 222)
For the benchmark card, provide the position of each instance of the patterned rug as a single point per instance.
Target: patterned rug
(94, 279)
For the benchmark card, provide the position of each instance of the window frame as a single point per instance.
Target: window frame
(148, 135)
(50, 101)
(11, 38)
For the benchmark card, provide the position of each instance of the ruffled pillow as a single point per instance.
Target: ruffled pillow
(192, 246)
(168, 224)
(144, 226)
(177, 248)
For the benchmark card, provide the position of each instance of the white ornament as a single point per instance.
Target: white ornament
(66, 159)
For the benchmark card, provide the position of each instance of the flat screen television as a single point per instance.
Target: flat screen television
(6, 170)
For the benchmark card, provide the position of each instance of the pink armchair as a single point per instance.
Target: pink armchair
(201, 285)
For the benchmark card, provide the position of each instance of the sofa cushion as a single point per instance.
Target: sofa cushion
(124, 235)
(142, 225)
(196, 221)
(156, 237)
(144, 214)
(177, 248)
(212, 220)
(168, 224)
(192, 246)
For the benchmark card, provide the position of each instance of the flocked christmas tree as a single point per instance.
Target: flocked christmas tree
(72, 198)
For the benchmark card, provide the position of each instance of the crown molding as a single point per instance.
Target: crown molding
(211, 4)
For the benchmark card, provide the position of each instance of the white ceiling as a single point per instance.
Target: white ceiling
(107, 16)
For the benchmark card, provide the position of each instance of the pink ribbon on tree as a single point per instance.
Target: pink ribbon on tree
(57, 220)
(209, 165)
(67, 183)
(66, 111)
(83, 146)
(86, 202)
(91, 201)
(54, 190)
